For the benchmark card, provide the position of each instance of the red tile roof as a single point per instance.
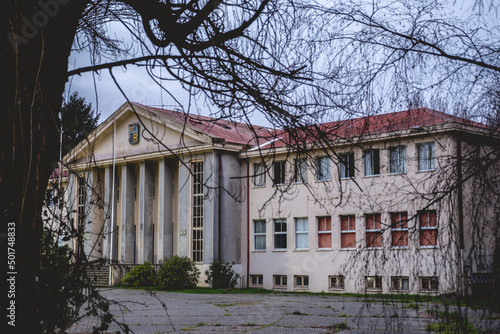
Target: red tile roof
(55, 174)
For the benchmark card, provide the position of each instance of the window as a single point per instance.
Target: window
(279, 172)
(136, 176)
(425, 156)
(82, 199)
(322, 168)
(300, 171)
(346, 165)
(325, 232)
(118, 189)
(279, 282)
(280, 234)
(373, 282)
(399, 225)
(49, 197)
(429, 284)
(400, 283)
(301, 233)
(256, 280)
(397, 160)
(428, 228)
(372, 162)
(348, 231)
(197, 204)
(373, 230)
(301, 281)
(259, 234)
(259, 175)
(336, 282)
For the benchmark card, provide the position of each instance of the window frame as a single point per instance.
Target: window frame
(373, 231)
(399, 286)
(328, 223)
(301, 282)
(340, 282)
(429, 284)
(300, 172)
(371, 158)
(260, 280)
(323, 168)
(399, 166)
(424, 229)
(347, 165)
(351, 219)
(401, 228)
(279, 234)
(279, 175)
(259, 174)
(301, 232)
(426, 163)
(198, 211)
(259, 234)
(283, 282)
(377, 286)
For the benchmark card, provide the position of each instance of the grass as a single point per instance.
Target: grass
(451, 322)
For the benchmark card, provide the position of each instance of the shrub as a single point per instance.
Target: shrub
(177, 273)
(141, 275)
(221, 275)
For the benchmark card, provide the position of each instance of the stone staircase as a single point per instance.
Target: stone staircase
(99, 275)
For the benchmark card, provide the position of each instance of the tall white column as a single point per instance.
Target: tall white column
(127, 214)
(145, 242)
(164, 210)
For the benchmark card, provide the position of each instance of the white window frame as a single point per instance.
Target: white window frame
(259, 174)
(346, 160)
(336, 282)
(282, 222)
(301, 282)
(323, 168)
(397, 160)
(349, 231)
(371, 161)
(377, 283)
(259, 278)
(304, 232)
(281, 164)
(282, 282)
(373, 231)
(82, 202)
(197, 215)
(426, 156)
(261, 234)
(400, 229)
(397, 283)
(427, 228)
(425, 284)
(300, 175)
(318, 219)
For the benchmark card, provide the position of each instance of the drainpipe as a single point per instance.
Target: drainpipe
(460, 215)
(112, 222)
(248, 223)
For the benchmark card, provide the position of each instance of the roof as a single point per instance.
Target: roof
(55, 174)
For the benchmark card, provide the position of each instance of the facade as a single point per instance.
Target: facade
(376, 204)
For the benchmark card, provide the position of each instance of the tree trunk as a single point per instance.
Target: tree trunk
(37, 42)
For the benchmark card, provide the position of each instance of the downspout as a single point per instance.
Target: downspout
(112, 222)
(460, 216)
(248, 223)
(219, 216)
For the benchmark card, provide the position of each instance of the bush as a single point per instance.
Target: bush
(221, 275)
(177, 273)
(141, 275)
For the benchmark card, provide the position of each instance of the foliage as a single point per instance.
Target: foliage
(221, 275)
(78, 121)
(451, 322)
(177, 273)
(142, 275)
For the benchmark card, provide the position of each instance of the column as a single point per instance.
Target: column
(127, 223)
(145, 242)
(164, 210)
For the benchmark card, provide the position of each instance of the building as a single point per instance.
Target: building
(383, 203)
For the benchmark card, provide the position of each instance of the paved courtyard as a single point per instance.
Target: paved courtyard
(268, 313)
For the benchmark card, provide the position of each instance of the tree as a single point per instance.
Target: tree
(78, 121)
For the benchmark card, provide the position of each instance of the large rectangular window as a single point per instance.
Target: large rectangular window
(259, 230)
(371, 159)
(325, 232)
(259, 175)
(82, 199)
(397, 160)
(279, 282)
(197, 206)
(429, 284)
(256, 280)
(373, 230)
(348, 231)
(322, 168)
(300, 171)
(301, 281)
(426, 156)
(301, 233)
(346, 165)
(399, 229)
(280, 234)
(373, 283)
(336, 282)
(428, 228)
(279, 172)
(400, 283)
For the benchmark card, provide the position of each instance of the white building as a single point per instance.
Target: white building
(382, 203)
